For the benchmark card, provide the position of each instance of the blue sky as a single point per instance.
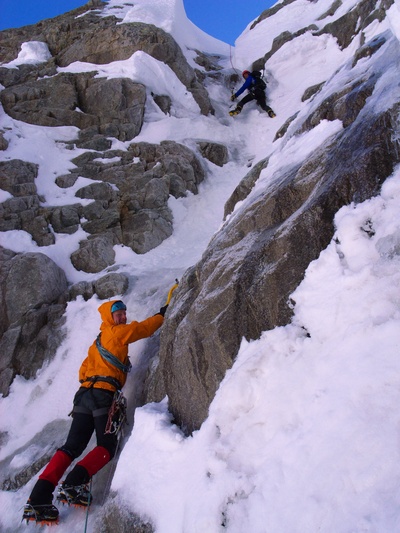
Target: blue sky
(224, 19)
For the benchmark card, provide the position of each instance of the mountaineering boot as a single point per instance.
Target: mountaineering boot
(41, 514)
(235, 111)
(78, 495)
(39, 506)
(75, 488)
(271, 113)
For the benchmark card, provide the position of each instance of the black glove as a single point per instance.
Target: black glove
(162, 310)
(233, 97)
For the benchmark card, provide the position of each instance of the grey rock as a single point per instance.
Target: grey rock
(32, 295)
(116, 517)
(308, 93)
(209, 62)
(113, 106)
(95, 254)
(33, 280)
(111, 285)
(119, 104)
(3, 142)
(65, 219)
(352, 23)
(245, 186)
(97, 191)
(46, 102)
(217, 153)
(154, 227)
(344, 105)
(66, 181)
(14, 211)
(94, 142)
(164, 102)
(94, 47)
(18, 177)
(156, 193)
(177, 186)
(82, 288)
(101, 216)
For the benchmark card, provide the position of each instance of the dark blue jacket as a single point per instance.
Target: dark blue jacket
(246, 85)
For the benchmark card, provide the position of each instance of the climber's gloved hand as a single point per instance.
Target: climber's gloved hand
(233, 97)
(163, 310)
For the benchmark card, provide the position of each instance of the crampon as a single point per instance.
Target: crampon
(41, 514)
(78, 496)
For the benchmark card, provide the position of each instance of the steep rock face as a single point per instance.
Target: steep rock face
(242, 285)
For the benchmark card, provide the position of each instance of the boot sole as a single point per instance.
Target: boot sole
(39, 522)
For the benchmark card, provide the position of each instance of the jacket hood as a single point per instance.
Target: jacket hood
(105, 313)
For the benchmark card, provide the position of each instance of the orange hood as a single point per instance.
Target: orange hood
(106, 315)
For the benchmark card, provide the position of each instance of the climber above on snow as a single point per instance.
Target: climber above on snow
(256, 87)
(102, 374)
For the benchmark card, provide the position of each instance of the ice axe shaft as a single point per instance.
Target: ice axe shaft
(171, 290)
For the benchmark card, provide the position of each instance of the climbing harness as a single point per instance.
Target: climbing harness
(230, 58)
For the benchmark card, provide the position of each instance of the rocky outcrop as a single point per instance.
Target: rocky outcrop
(344, 29)
(116, 518)
(130, 200)
(356, 20)
(37, 95)
(110, 107)
(134, 210)
(32, 295)
(217, 153)
(95, 254)
(244, 188)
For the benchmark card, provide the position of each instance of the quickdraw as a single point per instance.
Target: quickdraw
(116, 414)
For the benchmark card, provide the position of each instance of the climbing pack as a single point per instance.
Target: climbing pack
(259, 83)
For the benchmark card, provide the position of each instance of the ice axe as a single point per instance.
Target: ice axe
(171, 290)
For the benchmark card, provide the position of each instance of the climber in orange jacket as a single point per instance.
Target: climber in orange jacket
(102, 373)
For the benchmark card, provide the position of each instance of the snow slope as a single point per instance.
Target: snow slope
(303, 433)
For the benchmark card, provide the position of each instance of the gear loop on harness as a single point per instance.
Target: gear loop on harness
(116, 414)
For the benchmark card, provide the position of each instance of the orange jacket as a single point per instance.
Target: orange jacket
(115, 339)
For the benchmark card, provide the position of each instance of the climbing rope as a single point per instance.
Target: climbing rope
(230, 58)
(88, 505)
